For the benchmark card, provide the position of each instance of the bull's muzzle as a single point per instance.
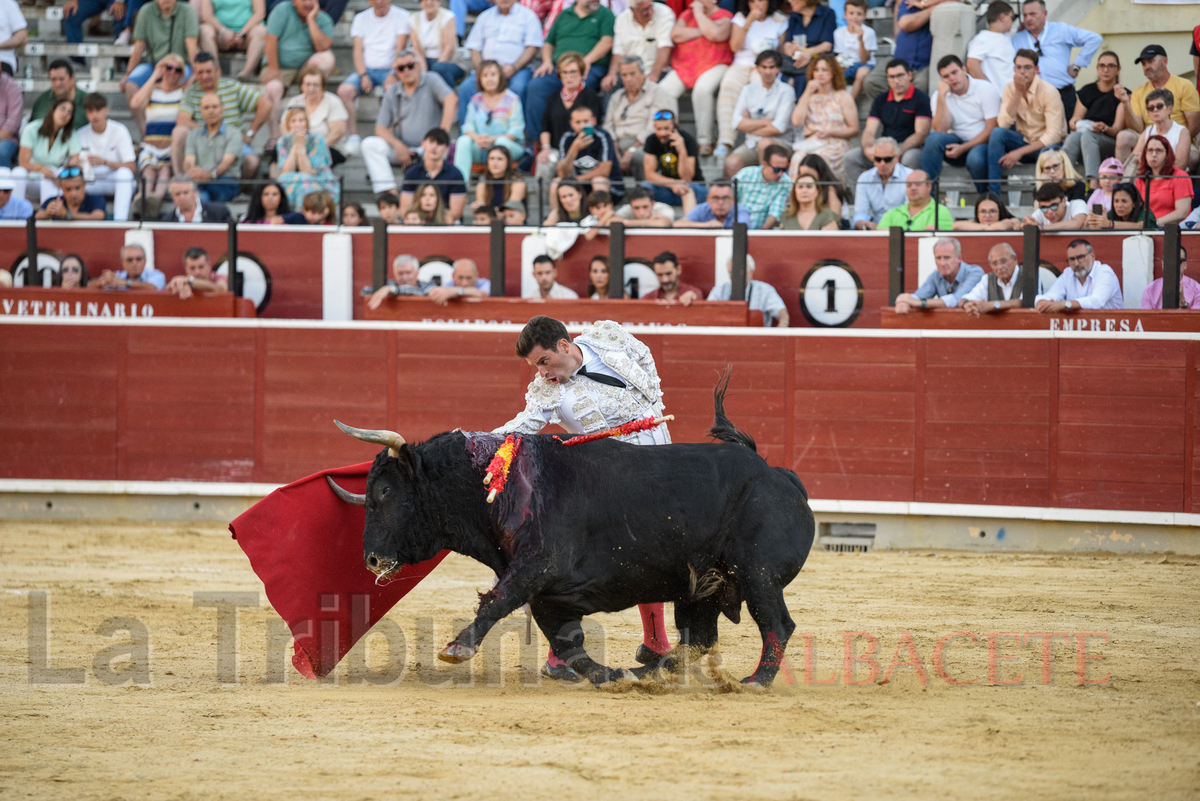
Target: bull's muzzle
(391, 439)
(381, 565)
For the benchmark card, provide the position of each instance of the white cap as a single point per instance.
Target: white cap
(6, 181)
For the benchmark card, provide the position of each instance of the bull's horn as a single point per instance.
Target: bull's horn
(346, 495)
(391, 439)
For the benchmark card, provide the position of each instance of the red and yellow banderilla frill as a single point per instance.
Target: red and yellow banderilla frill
(632, 427)
(497, 470)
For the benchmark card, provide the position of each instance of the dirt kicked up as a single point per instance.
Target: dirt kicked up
(144, 661)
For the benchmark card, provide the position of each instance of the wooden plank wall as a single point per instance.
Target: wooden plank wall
(1085, 423)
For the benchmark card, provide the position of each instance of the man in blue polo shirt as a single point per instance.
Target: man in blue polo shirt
(433, 169)
(903, 114)
(944, 287)
(716, 211)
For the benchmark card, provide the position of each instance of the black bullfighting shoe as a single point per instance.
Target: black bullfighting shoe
(561, 673)
(647, 655)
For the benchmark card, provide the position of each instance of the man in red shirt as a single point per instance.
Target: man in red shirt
(666, 267)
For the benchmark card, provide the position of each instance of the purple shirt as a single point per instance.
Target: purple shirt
(1189, 294)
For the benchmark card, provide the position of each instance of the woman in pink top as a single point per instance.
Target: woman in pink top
(1170, 198)
(825, 119)
(699, 61)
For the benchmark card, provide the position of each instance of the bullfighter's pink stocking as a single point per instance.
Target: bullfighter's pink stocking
(654, 628)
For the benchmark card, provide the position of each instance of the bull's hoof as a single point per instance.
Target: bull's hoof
(456, 652)
(561, 673)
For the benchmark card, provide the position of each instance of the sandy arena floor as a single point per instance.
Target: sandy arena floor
(491, 729)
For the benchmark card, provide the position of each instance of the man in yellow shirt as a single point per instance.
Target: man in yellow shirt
(1031, 118)
(1187, 103)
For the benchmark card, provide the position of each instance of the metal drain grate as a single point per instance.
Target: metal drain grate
(846, 537)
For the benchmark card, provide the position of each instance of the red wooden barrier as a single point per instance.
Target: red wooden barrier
(1099, 321)
(572, 312)
(1105, 422)
(37, 302)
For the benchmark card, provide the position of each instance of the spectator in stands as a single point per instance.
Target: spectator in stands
(319, 208)
(644, 31)
(1055, 212)
(809, 35)
(914, 46)
(465, 283)
(238, 99)
(134, 273)
(671, 163)
(507, 34)
(902, 114)
(404, 281)
(327, 117)
(11, 112)
(461, 8)
(948, 285)
(298, 35)
(1088, 284)
(428, 205)
(168, 26)
(825, 120)
(188, 207)
(589, 158)
(806, 211)
(62, 87)
(1189, 289)
(354, 215)
(212, 153)
(411, 107)
(1186, 112)
(921, 212)
(600, 214)
(599, 277)
(668, 270)
(269, 206)
(494, 118)
(12, 205)
(1160, 105)
(966, 114)
(757, 29)
(880, 188)
(545, 273)
(159, 100)
(1128, 212)
(13, 34)
(1031, 118)
(760, 296)
(833, 190)
(699, 62)
(557, 115)
(1170, 197)
(990, 54)
(763, 112)
(388, 204)
(765, 189)
(434, 39)
(232, 26)
(1097, 118)
(72, 273)
(1111, 171)
(483, 215)
(432, 168)
(855, 44)
(413, 217)
(1053, 42)
(514, 212)
(716, 211)
(990, 215)
(574, 31)
(1001, 288)
(47, 147)
(500, 183)
(568, 205)
(109, 149)
(1051, 167)
(304, 160)
(77, 13)
(197, 276)
(643, 211)
(630, 114)
(378, 33)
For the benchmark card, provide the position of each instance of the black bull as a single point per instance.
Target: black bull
(598, 527)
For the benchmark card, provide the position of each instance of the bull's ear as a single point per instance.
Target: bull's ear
(410, 460)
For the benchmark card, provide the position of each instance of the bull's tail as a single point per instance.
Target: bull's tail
(723, 429)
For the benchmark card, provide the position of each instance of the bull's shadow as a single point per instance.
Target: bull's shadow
(598, 527)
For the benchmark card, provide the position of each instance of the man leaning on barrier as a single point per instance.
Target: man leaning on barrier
(466, 283)
(948, 285)
(197, 276)
(1088, 284)
(1001, 288)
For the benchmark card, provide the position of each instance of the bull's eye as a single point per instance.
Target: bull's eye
(383, 492)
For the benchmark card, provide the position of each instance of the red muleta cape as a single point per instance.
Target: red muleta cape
(305, 544)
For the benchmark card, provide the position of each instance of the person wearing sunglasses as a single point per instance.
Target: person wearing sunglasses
(1153, 60)
(1055, 212)
(72, 272)
(764, 190)
(1086, 284)
(1053, 42)
(74, 202)
(1160, 105)
(135, 273)
(880, 188)
(164, 26)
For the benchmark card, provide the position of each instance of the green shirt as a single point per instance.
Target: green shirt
(237, 97)
(898, 217)
(170, 35)
(295, 42)
(45, 154)
(41, 107)
(572, 34)
(233, 14)
(210, 149)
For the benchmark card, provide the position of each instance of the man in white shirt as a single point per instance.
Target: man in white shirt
(546, 274)
(760, 296)
(13, 33)
(642, 30)
(630, 114)
(643, 212)
(1056, 213)
(379, 33)
(1088, 284)
(1000, 289)
(763, 112)
(965, 112)
(990, 54)
(110, 152)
